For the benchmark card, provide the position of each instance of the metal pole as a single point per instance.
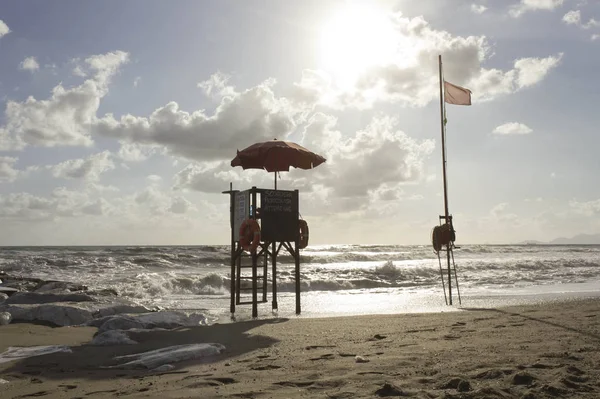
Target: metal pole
(254, 263)
(275, 180)
(444, 173)
(297, 260)
(233, 249)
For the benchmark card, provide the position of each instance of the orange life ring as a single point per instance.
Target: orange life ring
(303, 242)
(249, 235)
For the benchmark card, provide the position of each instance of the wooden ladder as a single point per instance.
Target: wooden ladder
(244, 263)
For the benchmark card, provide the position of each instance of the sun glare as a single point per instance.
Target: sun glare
(356, 38)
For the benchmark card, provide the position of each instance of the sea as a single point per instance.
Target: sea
(336, 280)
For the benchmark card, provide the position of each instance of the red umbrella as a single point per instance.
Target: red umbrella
(276, 156)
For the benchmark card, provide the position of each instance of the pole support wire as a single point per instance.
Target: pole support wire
(442, 276)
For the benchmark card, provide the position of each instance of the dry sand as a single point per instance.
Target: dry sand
(542, 351)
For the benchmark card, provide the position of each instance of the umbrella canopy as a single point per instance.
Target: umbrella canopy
(276, 156)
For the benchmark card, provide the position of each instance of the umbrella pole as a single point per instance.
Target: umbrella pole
(275, 180)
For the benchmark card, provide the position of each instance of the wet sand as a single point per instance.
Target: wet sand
(535, 351)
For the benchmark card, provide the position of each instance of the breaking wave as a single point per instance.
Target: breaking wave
(149, 273)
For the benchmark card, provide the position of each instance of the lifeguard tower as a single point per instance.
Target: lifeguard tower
(263, 221)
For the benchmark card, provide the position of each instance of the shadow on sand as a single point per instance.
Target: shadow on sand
(89, 362)
(550, 323)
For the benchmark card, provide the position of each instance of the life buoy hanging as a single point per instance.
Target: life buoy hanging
(442, 235)
(303, 242)
(249, 235)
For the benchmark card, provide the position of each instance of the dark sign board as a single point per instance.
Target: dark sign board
(279, 215)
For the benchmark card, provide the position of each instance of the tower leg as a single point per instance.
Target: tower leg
(274, 274)
(297, 275)
(254, 286)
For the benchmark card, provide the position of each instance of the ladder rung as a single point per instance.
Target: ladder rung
(250, 277)
(258, 289)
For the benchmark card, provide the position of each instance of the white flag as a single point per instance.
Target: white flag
(456, 95)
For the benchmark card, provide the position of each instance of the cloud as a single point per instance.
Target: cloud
(478, 8)
(499, 214)
(181, 206)
(4, 30)
(361, 169)
(410, 77)
(78, 71)
(107, 65)
(533, 70)
(99, 207)
(89, 168)
(376, 156)
(132, 152)
(7, 172)
(208, 177)
(154, 179)
(29, 64)
(527, 72)
(136, 210)
(573, 17)
(244, 118)
(216, 85)
(25, 206)
(595, 37)
(588, 208)
(136, 81)
(66, 117)
(28, 207)
(513, 128)
(592, 23)
(534, 5)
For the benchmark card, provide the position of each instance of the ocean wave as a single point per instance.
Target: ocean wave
(151, 285)
(150, 273)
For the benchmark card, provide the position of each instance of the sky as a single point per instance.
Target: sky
(119, 119)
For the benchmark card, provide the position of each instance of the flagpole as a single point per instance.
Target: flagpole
(444, 174)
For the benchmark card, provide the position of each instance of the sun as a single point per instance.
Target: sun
(358, 36)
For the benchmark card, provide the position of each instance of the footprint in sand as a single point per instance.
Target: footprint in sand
(295, 384)
(450, 337)
(490, 374)
(326, 356)
(212, 382)
(523, 378)
(574, 370)
(35, 394)
(98, 392)
(266, 367)
(318, 347)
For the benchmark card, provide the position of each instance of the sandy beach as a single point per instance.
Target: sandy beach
(541, 351)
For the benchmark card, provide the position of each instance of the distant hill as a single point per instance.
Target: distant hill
(581, 239)
(584, 239)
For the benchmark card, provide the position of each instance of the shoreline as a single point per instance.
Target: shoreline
(527, 351)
